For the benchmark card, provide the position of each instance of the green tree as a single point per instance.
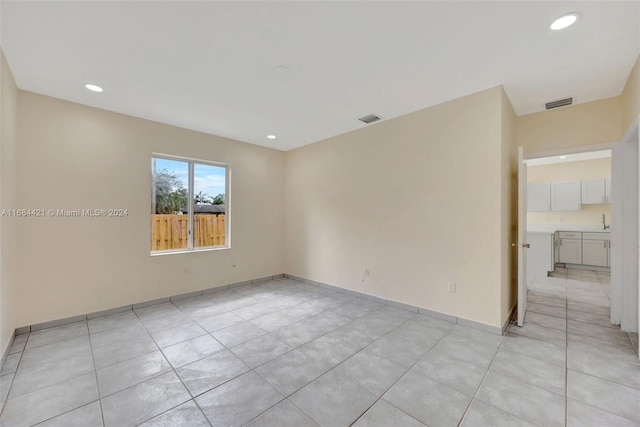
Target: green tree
(203, 199)
(218, 200)
(171, 196)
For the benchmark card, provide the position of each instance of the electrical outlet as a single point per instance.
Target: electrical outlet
(452, 287)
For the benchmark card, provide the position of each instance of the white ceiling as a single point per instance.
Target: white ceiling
(306, 71)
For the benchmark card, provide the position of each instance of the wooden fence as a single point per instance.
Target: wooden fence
(170, 231)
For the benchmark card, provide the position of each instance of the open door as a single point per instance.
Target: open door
(522, 237)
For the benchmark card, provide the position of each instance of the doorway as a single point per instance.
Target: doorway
(569, 212)
(623, 193)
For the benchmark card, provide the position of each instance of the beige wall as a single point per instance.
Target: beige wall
(8, 99)
(73, 157)
(584, 169)
(509, 223)
(417, 200)
(399, 198)
(592, 123)
(631, 97)
(596, 122)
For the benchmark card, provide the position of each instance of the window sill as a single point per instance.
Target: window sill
(189, 251)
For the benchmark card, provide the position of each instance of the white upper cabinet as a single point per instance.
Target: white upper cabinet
(594, 191)
(538, 197)
(565, 196)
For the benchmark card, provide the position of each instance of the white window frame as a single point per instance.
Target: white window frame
(227, 204)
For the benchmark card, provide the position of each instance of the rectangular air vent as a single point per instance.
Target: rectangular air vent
(558, 103)
(371, 118)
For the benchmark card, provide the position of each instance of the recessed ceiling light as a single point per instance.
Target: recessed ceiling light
(564, 21)
(93, 88)
(271, 137)
(563, 157)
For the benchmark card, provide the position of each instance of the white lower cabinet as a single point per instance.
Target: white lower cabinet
(587, 248)
(570, 251)
(595, 249)
(594, 252)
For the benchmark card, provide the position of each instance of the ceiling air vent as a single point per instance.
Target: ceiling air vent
(371, 118)
(558, 103)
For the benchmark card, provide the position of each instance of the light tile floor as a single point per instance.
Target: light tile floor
(283, 353)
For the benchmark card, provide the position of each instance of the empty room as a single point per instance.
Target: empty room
(323, 213)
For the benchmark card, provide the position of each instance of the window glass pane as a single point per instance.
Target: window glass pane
(209, 193)
(169, 204)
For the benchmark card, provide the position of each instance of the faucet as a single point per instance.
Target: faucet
(604, 224)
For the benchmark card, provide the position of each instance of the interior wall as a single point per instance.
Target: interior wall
(567, 171)
(8, 99)
(631, 97)
(401, 208)
(72, 156)
(624, 278)
(509, 224)
(591, 123)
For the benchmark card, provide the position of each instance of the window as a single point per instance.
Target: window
(189, 205)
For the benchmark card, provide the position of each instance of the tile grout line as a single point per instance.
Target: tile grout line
(286, 397)
(332, 368)
(95, 372)
(403, 375)
(351, 320)
(13, 376)
(524, 382)
(71, 378)
(483, 381)
(172, 368)
(158, 348)
(193, 398)
(230, 351)
(585, 373)
(475, 393)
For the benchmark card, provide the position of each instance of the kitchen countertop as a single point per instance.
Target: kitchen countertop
(552, 228)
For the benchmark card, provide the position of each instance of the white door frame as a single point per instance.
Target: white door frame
(570, 150)
(617, 237)
(625, 298)
(522, 236)
(522, 195)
